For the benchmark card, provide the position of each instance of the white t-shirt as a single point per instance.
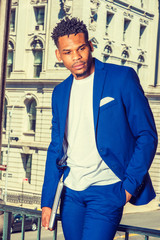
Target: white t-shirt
(86, 166)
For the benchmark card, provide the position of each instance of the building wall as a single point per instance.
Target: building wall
(105, 21)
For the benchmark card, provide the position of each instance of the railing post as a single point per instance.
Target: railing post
(39, 229)
(126, 236)
(55, 231)
(23, 227)
(7, 225)
(146, 237)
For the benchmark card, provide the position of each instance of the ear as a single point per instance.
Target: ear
(91, 46)
(58, 55)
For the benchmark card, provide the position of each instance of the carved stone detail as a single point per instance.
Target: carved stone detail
(111, 8)
(38, 1)
(93, 15)
(68, 6)
(65, 8)
(15, 2)
(94, 7)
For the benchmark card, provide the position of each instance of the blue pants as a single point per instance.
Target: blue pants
(92, 214)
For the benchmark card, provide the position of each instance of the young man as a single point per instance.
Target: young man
(103, 124)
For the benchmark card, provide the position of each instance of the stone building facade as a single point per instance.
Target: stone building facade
(122, 32)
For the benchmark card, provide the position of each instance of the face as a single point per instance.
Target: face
(76, 55)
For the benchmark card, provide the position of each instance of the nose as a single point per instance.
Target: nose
(76, 55)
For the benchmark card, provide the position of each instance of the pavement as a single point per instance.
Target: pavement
(152, 206)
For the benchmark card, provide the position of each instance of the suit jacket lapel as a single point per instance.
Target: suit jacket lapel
(65, 103)
(99, 78)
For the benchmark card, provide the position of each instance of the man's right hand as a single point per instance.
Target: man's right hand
(46, 214)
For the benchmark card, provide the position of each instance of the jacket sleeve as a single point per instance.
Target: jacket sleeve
(143, 128)
(52, 173)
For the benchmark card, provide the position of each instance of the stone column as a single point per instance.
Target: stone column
(5, 7)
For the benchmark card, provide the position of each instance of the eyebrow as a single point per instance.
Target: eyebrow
(67, 50)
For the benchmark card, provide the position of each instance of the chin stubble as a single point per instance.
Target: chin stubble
(81, 74)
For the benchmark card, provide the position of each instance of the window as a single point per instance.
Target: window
(39, 15)
(12, 20)
(126, 28)
(37, 63)
(5, 115)
(9, 63)
(1, 162)
(27, 163)
(37, 49)
(10, 59)
(109, 18)
(141, 34)
(31, 112)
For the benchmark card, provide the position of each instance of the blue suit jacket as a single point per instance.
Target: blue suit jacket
(125, 131)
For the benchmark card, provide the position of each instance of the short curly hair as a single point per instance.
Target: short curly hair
(69, 26)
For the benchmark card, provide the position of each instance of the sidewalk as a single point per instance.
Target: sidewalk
(153, 205)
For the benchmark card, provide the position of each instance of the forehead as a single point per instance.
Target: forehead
(71, 41)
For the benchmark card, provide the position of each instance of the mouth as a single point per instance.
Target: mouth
(78, 66)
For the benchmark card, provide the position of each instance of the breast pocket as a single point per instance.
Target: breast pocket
(109, 105)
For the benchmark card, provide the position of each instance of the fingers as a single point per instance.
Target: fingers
(46, 213)
(128, 196)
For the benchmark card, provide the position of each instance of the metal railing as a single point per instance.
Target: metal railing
(10, 210)
(8, 220)
(146, 232)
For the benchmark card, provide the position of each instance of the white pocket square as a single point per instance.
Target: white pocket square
(106, 100)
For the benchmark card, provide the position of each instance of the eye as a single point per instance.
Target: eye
(82, 48)
(67, 53)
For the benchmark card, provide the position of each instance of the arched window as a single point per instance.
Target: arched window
(5, 114)
(37, 48)
(31, 112)
(10, 59)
